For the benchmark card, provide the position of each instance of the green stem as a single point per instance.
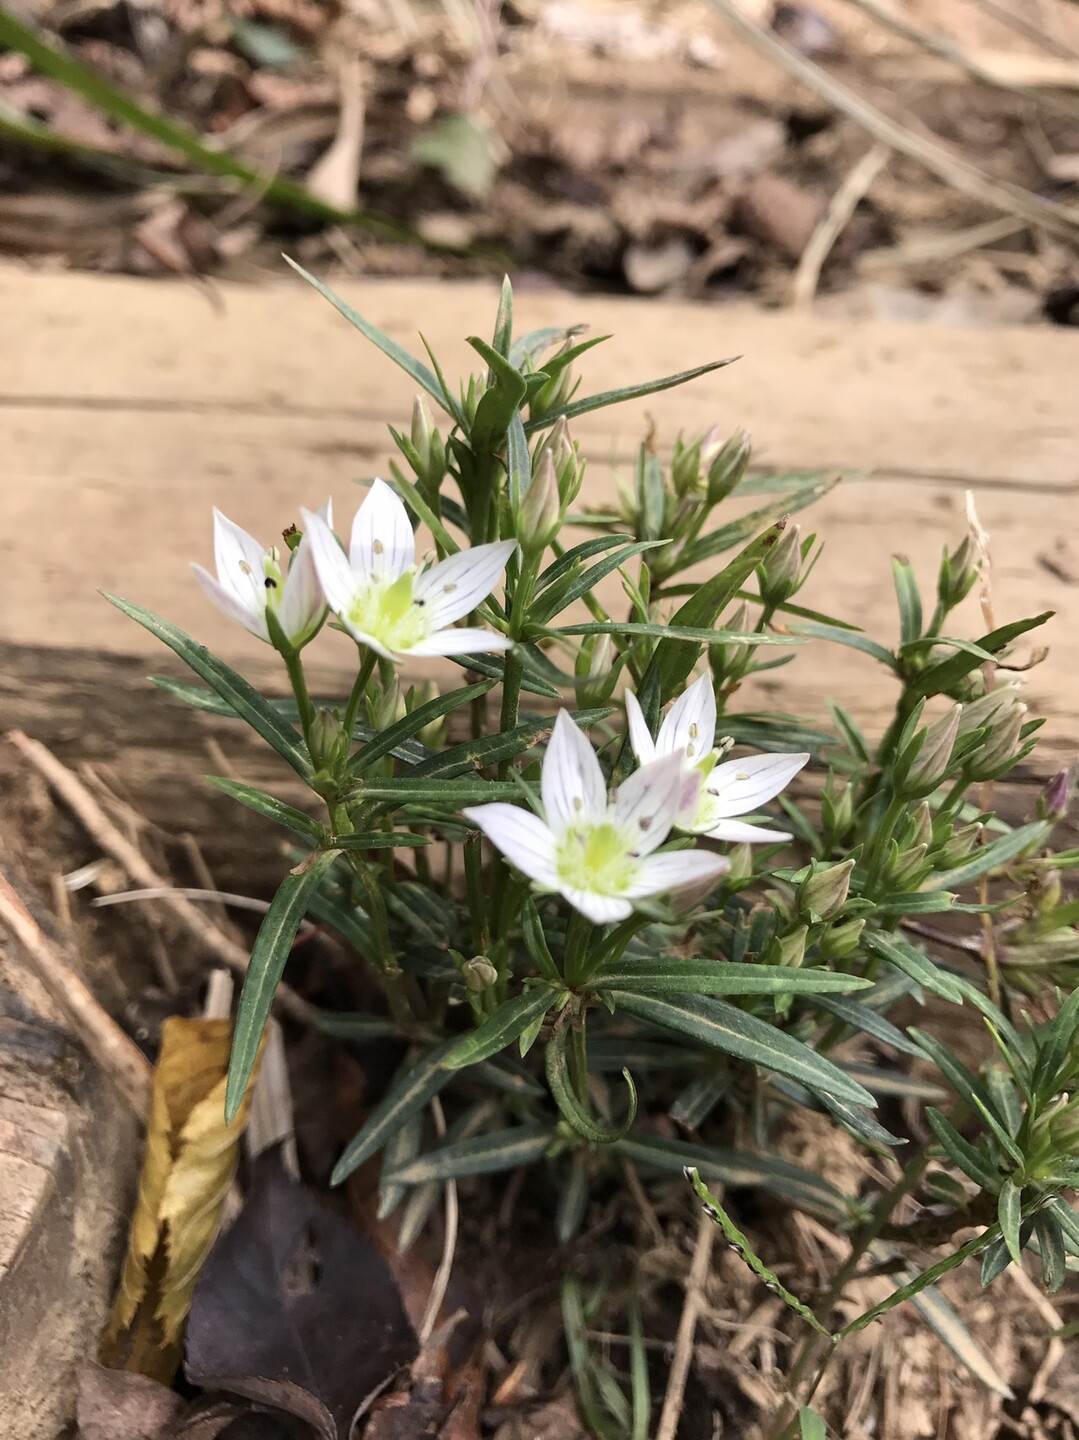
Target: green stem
(580, 1061)
(578, 934)
(359, 689)
(298, 681)
(882, 839)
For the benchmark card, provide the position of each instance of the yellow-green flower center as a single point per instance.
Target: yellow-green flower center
(389, 613)
(597, 858)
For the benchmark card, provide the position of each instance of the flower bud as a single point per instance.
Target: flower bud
(924, 762)
(569, 470)
(478, 974)
(328, 742)
(788, 950)
(740, 859)
(780, 574)
(595, 676)
(919, 827)
(540, 513)
(841, 941)
(958, 572)
(957, 846)
(558, 389)
(1053, 804)
(837, 812)
(908, 867)
(823, 893)
(434, 731)
(989, 708)
(729, 662)
(389, 705)
(686, 468)
(1002, 746)
(725, 465)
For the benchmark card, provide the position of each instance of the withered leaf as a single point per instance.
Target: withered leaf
(296, 1309)
(187, 1170)
(119, 1405)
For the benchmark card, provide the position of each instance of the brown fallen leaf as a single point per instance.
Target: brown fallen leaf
(779, 213)
(189, 1165)
(296, 1310)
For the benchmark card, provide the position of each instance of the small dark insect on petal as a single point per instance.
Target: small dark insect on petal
(271, 583)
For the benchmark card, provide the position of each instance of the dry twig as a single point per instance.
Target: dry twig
(687, 1327)
(88, 812)
(119, 1057)
(834, 221)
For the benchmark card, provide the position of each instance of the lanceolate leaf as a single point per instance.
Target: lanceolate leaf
(992, 856)
(271, 950)
(720, 977)
(560, 596)
(386, 741)
(244, 699)
(269, 806)
(417, 1081)
(628, 392)
(570, 1104)
(502, 1028)
(862, 1017)
(912, 962)
(482, 1155)
(723, 1027)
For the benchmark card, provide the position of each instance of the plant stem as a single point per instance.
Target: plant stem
(298, 681)
(578, 934)
(881, 841)
(359, 689)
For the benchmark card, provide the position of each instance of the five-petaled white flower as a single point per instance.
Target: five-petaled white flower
(385, 601)
(736, 787)
(594, 851)
(251, 582)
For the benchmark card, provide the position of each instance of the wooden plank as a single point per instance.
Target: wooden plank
(127, 410)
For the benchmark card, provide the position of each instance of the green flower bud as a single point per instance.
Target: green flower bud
(788, 950)
(595, 676)
(388, 706)
(724, 464)
(428, 445)
(955, 849)
(919, 828)
(540, 513)
(837, 812)
(824, 892)
(328, 742)
(908, 867)
(781, 573)
(840, 941)
(730, 662)
(740, 860)
(569, 470)
(478, 974)
(1002, 746)
(686, 478)
(923, 764)
(434, 732)
(958, 572)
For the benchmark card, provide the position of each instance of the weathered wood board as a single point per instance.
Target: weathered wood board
(128, 409)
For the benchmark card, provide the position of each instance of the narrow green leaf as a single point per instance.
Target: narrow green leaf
(560, 596)
(1009, 1216)
(909, 598)
(861, 1124)
(992, 857)
(694, 634)
(965, 1156)
(723, 1027)
(810, 1425)
(481, 1155)
(349, 1025)
(502, 1028)
(402, 1146)
(1068, 1221)
(576, 556)
(471, 755)
(424, 378)
(740, 1244)
(949, 1328)
(853, 639)
(379, 840)
(1051, 1250)
(243, 698)
(912, 962)
(868, 1021)
(628, 392)
(939, 679)
(922, 1281)
(518, 461)
(416, 1082)
(268, 957)
(536, 941)
(269, 807)
(503, 337)
(494, 666)
(388, 740)
(736, 1168)
(403, 790)
(702, 976)
(995, 1261)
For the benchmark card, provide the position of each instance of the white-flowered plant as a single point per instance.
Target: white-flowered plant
(503, 899)
(727, 787)
(389, 603)
(253, 581)
(594, 851)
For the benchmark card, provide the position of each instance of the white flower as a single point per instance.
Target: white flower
(737, 787)
(250, 582)
(385, 601)
(595, 852)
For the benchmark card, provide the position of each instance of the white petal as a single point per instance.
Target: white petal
(239, 559)
(521, 836)
(229, 604)
(335, 574)
(571, 782)
(461, 642)
(690, 723)
(361, 637)
(646, 804)
(383, 546)
(640, 737)
(302, 603)
(456, 585)
(676, 871)
(737, 832)
(600, 909)
(741, 786)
